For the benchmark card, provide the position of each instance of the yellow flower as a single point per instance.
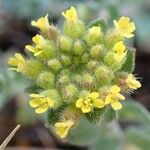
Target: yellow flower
(38, 40)
(41, 103)
(87, 104)
(16, 61)
(71, 15)
(120, 51)
(124, 27)
(42, 23)
(113, 98)
(132, 83)
(62, 128)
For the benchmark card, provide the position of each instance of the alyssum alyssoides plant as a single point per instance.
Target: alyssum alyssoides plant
(81, 70)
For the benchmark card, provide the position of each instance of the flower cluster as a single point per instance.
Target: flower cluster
(78, 70)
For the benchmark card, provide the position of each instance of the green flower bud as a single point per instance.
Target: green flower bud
(93, 36)
(88, 81)
(66, 60)
(54, 65)
(85, 58)
(65, 44)
(91, 65)
(74, 29)
(97, 51)
(104, 91)
(63, 80)
(76, 61)
(77, 79)
(49, 50)
(46, 80)
(104, 75)
(53, 32)
(69, 93)
(78, 48)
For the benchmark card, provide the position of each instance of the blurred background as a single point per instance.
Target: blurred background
(16, 32)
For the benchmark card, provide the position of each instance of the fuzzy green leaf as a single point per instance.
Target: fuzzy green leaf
(84, 133)
(98, 22)
(129, 64)
(139, 136)
(135, 112)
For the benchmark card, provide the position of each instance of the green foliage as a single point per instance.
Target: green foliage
(134, 112)
(84, 133)
(129, 64)
(54, 115)
(139, 136)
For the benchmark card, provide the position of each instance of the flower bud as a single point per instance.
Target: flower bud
(88, 81)
(103, 74)
(112, 38)
(78, 48)
(54, 65)
(85, 58)
(46, 80)
(28, 68)
(66, 60)
(65, 44)
(93, 36)
(69, 93)
(91, 65)
(112, 61)
(96, 51)
(53, 32)
(74, 30)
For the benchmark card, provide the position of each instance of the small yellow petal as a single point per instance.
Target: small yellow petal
(36, 95)
(30, 48)
(35, 102)
(86, 109)
(50, 102)
(19, 57)
(94, 95)
(79, 103)
(107, 100)
(115, 89)
(13, 61)
(99, 103)
(42, 109)
(116, 105)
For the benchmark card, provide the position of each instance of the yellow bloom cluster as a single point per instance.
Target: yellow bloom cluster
(124, 27)
(91, 101)
(113, 98)
(78, 71)
(41, 103)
